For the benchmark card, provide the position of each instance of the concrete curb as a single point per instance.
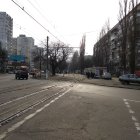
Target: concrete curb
(116, 86)
(108, 83)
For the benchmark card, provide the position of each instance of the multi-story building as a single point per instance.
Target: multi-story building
(6, 31)
(24, 48)
(114, 59)
(116, 52)
(14, 46)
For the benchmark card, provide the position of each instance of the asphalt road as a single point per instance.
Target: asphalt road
(65, 110)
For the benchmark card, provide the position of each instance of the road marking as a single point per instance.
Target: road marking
(18, 124)
(134, 119)
(126, 102)
(131, 111)
(132, 100)
(128, 106)
(24, 96)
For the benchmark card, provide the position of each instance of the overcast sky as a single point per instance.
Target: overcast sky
(68, 20)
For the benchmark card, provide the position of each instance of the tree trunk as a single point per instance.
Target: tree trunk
(53, 70)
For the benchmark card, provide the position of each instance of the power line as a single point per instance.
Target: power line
(87, 32)
(38, 5)
(45, 18)
(25, 30)
(40, 13)
(22, 8)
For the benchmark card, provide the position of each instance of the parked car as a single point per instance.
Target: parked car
(107, 75)
(97, 76)
(129, 78)
(21, 74)
(11, 72)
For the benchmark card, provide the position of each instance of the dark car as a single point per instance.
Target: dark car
(21, 74)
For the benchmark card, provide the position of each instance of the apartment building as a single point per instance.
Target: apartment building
(6, 31)
(108, 51)
(14, 46)
(24, 48)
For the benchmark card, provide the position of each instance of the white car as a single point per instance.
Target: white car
(129, 78)
(107, 75)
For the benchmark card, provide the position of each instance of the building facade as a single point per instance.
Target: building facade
(110, 51)
(6, 31)
(24, 48)
(14, 46)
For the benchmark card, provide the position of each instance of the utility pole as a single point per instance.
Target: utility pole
(47, 66)
(40, 62)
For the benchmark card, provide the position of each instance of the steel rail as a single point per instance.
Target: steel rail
(49, 87)
(19, 87)
(24, 110)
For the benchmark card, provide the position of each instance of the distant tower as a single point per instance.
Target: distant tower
(6, 31)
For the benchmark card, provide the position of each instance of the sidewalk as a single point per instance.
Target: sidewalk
(102, 82)
(83, 79)
(3, 74)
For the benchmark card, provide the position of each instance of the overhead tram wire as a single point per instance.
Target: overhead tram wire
(45, 18)
(27, 31)
(22, 8)
(81, 33)
(39, 12)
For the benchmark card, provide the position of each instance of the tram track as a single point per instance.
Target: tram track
(26, 91)
(49, 87)
(20, 87)
(32, 103)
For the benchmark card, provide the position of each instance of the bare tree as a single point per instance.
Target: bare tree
(3, 58)
(58, 54)
(82, 53)
(107, 43)
(123, 22)
(132, 33)
(88, 61)
(103, 46)
(39, 58)
(102, 41)
(63, 67)
(75, 62)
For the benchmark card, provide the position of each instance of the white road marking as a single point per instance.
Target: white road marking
(18, 124)
(24, 97)
(138, 128)
(134, 119)
(131, 111)
(126, 102)
(132, 100)
(128, 106)
(136, 124)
